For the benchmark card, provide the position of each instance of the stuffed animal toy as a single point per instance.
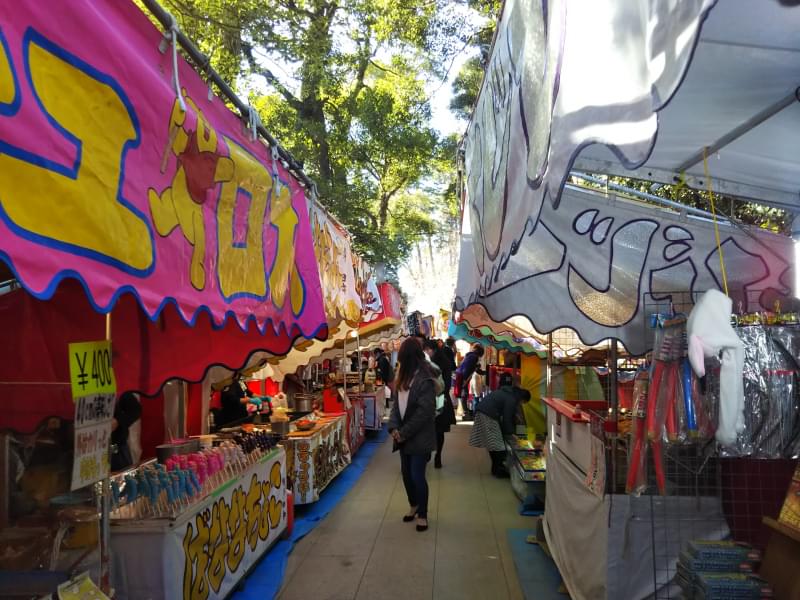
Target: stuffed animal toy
(712, 335)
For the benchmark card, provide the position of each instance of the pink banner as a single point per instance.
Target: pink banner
(107, 179)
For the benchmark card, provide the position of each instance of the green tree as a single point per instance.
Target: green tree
(467, 84)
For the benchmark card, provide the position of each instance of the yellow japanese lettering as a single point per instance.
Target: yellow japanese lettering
(80, 190)
(263, 518)
(284, 218)
(240, 263)
(218, 544)
(237, 532)
(275, 512)
(199, 169)
(8, 85)
(253, 506)
(195, 586)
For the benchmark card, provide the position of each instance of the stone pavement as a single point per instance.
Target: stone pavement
(362, 550)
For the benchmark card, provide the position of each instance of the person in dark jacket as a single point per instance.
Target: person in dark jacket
(234, 398)
(494, 421)
(468, 367)
(447, 416)
(449, 351)
(127, 411)
(411, 425)
(383, 366)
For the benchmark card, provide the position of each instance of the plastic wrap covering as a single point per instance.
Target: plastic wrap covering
(772, 407)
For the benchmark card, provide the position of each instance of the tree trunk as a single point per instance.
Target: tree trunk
(383, 211)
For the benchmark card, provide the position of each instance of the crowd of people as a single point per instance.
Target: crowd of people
(423, 410)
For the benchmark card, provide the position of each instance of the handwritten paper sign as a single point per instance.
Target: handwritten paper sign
(93, 391)
(80, 588)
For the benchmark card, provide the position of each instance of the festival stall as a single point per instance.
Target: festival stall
(380, 326)
(316, 456)
(589, 89)
(195, 244)
(381, 329)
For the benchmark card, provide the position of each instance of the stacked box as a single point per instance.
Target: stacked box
(733, 586)
(710, 570)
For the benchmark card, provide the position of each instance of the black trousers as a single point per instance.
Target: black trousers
(498, 461)
(413, 469)
(439, 443)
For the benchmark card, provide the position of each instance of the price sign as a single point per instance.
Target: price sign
(90, 369)
(93, 392)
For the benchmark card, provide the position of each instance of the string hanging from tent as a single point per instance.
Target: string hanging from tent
(716, 225)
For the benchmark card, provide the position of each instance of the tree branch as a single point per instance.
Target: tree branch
(293, 101)
(188, 11)
(382, 68)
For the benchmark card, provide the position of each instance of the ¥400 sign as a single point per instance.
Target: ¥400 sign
(93, 392)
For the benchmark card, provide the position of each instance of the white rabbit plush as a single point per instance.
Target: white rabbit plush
(710, 333)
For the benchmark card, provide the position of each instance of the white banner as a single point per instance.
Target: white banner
(93, 419)
(598, 265)
(336, 268)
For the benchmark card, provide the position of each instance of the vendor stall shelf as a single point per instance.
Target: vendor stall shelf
(527, 465)
(207, 548)
(736, 486)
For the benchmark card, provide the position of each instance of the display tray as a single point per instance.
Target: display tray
(530, 462)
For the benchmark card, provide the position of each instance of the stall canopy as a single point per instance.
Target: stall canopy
(603, 79)
(339, 271)
(389, 314)
(131, 178)
(485, 336)
(739, 101)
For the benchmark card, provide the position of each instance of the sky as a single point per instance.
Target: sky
(439, 287)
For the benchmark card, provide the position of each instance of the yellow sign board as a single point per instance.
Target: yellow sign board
(90, 369)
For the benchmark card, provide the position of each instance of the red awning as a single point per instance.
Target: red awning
(33, 358)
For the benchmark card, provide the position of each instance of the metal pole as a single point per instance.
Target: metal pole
(613, 396)
(549, 364)
(360, 377)
(105, 513)
(613, 416)
(345, 368)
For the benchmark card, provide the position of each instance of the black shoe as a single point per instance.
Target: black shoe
(437, 463)
(422, 527)
(501, 473)
(409, 518)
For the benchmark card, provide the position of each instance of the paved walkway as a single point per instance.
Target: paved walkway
(363, 550)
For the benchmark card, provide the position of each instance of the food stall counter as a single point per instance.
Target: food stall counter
(205, 549)
(316, 456)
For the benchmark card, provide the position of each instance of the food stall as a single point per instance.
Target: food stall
(190, 292)
(194, 525)
(317, 455)
(379, 329)
(697, 95)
